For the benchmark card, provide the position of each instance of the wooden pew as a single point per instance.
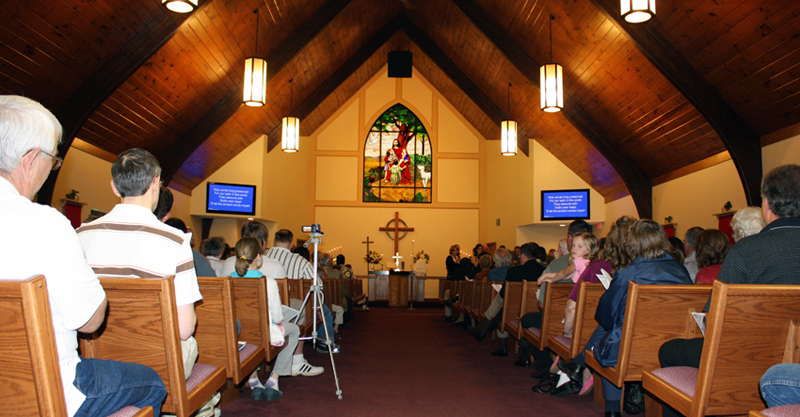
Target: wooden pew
(555, 300)
(30, 376)
(654, 314)
(215, 333)
(512, 304)
(252, 305)
(142, 326)
(487, 295)
(749, 328)
(569, 347)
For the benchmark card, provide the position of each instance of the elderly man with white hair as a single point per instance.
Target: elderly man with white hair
(29, 135)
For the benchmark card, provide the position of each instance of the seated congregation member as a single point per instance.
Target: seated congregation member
(561, 269)
(528, 270)
(780, 385)
(690, 249)
(29, 135)
(466, 272)
(648, 246)
(152, 250)
(269, 267)
(202, 267)
(746, 222)
(677, 249)
(585, 246)
(502, 261)
(768, 257)
(485, 263)
(248, 264)
(163, 213)
(296, 267)
(336, 308)
(213, 250)
(712, 246)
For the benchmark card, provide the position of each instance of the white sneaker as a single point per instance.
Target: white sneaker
(306, 369)
(209, 409)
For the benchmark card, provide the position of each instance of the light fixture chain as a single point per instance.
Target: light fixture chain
(551, 37)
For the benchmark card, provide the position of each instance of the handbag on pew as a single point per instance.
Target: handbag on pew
(633, 399)
(607, 350)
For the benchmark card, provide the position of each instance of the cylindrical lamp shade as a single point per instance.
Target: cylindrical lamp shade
(637, 11)
(255, 82)
(180, 6)
(290, 136)
(552, 87)
(508, 137)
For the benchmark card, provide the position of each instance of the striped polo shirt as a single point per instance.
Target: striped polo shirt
(296, 266)
(130, 242)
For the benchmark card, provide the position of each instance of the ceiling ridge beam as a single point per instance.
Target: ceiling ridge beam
(338, 76)
(461, 79)
(632, 175)
(741, 141)
(225, 108)
(102, 84)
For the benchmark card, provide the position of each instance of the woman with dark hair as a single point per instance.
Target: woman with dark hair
(712, 246)
(649, 248)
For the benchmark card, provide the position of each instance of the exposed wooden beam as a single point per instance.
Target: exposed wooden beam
(338, 77)
(227, 107)
(462, 80)
(83, 103)
(742, 142)
(634, 178)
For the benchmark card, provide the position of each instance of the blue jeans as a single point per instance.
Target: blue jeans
(780, 385)
(111, 385)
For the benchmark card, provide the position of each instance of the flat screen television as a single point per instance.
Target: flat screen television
(225, 198)
(565, 204)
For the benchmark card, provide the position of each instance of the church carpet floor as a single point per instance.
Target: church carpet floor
(396, 362)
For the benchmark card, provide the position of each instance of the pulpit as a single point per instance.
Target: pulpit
(389, 286)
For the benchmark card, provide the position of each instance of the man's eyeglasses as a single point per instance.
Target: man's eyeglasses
(56, 161)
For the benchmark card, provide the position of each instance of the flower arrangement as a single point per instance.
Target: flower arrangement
(373, 257)
(421, 254)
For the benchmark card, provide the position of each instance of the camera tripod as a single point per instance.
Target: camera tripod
(318, 299)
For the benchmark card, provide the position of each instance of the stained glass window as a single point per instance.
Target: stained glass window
(397, 159)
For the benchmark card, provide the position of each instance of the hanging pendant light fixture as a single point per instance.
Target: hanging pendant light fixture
(180, 6)
(551, 84)
(255, 77)
(290, 132)
(637, 11)
(508, 131)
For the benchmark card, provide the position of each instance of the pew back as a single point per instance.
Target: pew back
(143, 311)
(30, 377)
(654, 314)
(512, 303)
(589, 294)
(749, 328)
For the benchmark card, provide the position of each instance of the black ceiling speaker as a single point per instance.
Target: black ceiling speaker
(400, 64)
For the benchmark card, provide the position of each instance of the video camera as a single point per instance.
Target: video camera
(314, 229)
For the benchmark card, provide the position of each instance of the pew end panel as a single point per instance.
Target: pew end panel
(654, 314)
(512, 303)
(589, 294)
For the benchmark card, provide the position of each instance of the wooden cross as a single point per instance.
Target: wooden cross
(396, 229)
(367, 242)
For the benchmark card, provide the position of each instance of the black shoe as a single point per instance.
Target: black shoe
(446, 318)
(480, 331)
(547, 384)
(447, 303)
(569, 388)
(503, 351)
(573, 370)
(522, 362)
(537, 374)
(613, 414)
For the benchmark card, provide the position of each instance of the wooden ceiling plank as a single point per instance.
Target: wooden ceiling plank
(231, 102)
(77, 109)
(634, 177)
(336, 78)
(739, 138)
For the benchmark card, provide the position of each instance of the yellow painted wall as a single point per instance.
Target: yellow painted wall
(506, 198)
(781, 153)
(693, 199)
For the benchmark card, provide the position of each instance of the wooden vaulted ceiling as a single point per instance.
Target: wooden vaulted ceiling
(643, 102)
